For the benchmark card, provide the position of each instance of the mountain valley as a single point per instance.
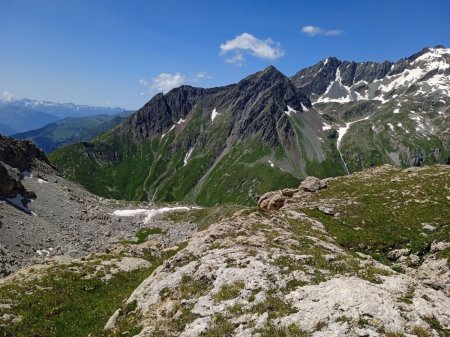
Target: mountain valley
(313, 205)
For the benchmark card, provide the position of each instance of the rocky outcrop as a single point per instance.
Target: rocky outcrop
(21, 154)
(11, 184)
(273, 201)
(16, 159)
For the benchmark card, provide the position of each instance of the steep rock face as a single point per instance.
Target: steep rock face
(161, 112)
(259, 102)
(255, 105)
(316, 79)
(390, 112)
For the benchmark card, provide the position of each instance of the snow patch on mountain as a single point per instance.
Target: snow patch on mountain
(187, 156)
(390, 126)
(290, 110)
(214, 114)
(150, 213)
(343, 129)
(164, 134)
(428, 73)
(326, 127)
(336, 91)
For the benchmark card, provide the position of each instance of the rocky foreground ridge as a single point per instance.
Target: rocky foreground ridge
(347, 256)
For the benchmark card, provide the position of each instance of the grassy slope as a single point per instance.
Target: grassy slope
(65, 302)
(242, 172)
(156, 169)
(121, 180)
(389, 209)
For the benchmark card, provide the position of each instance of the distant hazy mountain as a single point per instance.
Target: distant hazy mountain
(6, 130)
(268, 131)
(19, 118)
(71, 130)
(22, 115)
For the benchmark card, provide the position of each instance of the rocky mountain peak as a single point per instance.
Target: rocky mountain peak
(272, 71)
(267, 77)
(333, 80)
(161, 112)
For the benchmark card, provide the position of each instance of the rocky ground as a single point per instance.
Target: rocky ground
(66, 222)
(44, 216)
(284, 272)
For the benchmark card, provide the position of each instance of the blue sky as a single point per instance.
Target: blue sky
(119, 53)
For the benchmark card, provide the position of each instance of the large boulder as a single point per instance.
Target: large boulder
(263, 201)
(271, 201)
(276, 202)
(312, 184)
(289, 192)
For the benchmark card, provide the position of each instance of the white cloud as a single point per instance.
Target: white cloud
(265, 49)
(164, 82)
(315, 30)
(202, 75)
(7, 96)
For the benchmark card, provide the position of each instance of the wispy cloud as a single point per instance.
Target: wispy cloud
(7, 96)
(203, 75)
(247, 43)
(316, 30)
(164, 82)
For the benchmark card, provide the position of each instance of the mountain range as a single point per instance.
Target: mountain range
(269, 131)
(21, 115)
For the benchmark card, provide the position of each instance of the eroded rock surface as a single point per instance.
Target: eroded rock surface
(259, 272)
